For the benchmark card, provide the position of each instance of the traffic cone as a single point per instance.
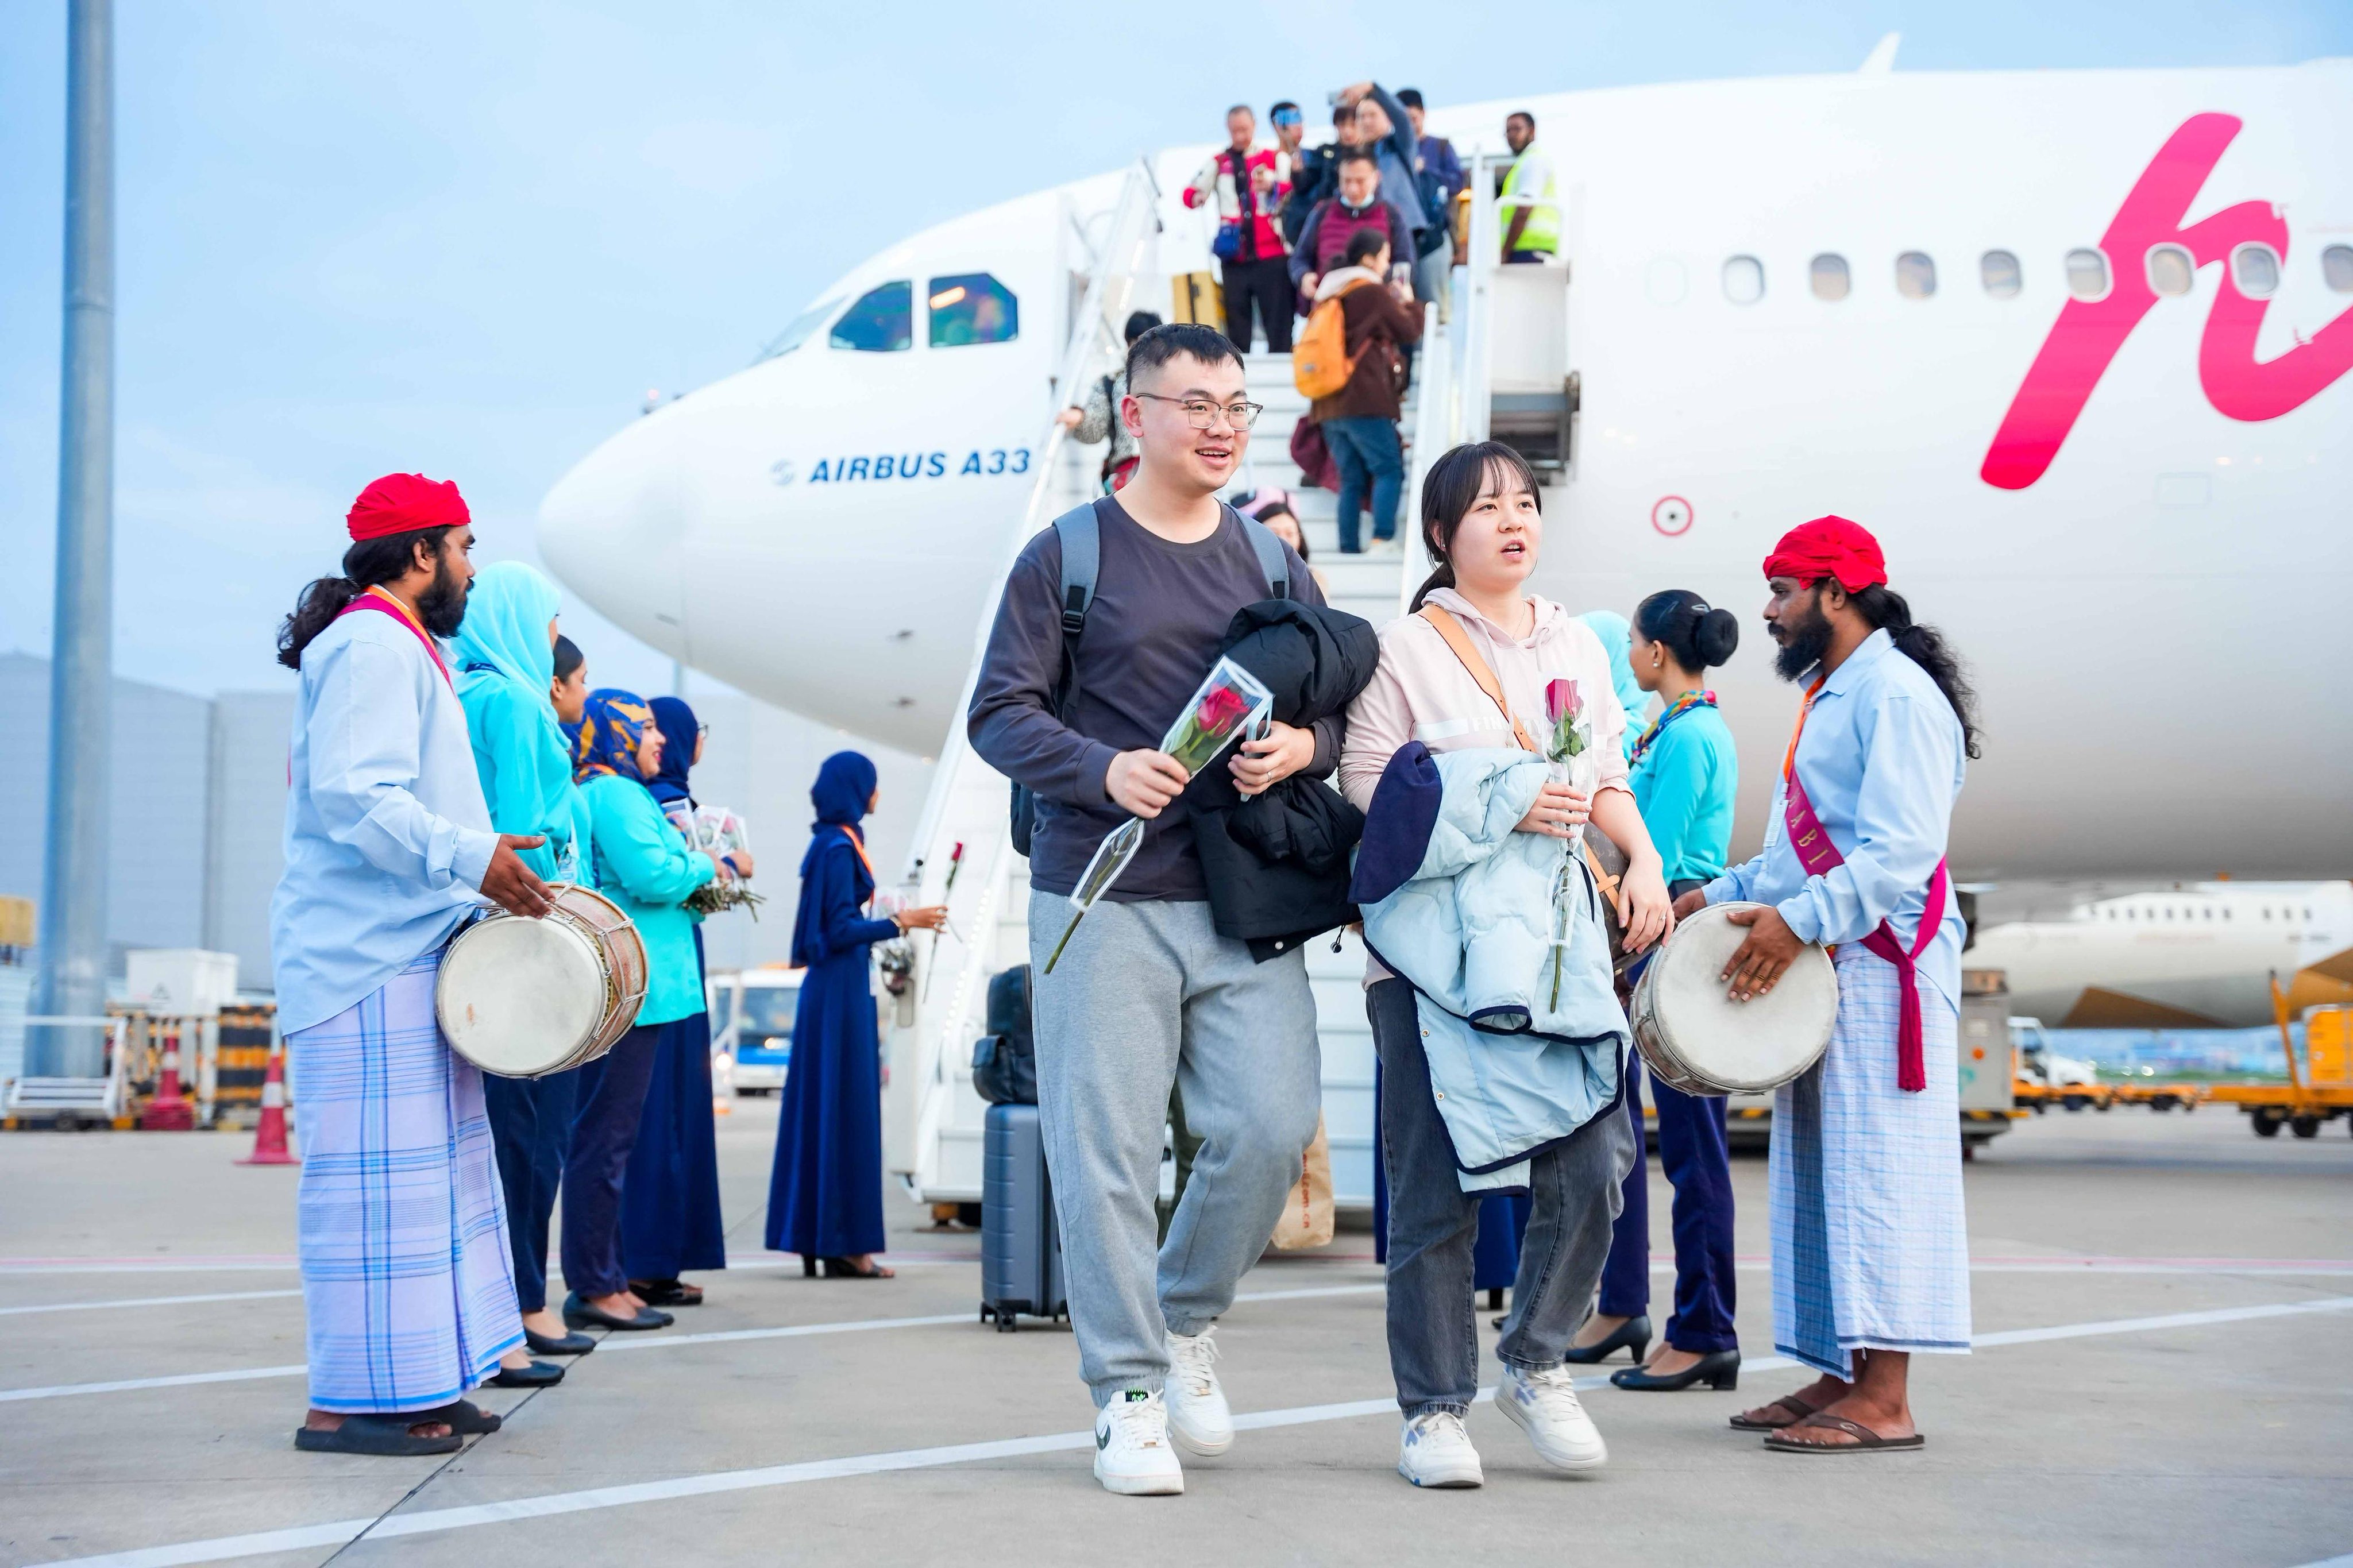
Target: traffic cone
(270, 1134)
(170, 1111)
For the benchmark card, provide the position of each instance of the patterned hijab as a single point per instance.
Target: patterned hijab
(610, 728)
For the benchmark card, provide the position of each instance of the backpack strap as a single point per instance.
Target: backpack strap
(1082, 564)
(1475, 662)
(1271, 564)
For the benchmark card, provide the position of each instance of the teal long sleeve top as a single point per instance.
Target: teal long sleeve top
(525, 769)
(642, 865)
(1684, 786)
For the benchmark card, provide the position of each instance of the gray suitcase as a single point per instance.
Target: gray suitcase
(1020, 1245)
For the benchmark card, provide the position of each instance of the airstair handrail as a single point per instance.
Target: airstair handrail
(1433, 433)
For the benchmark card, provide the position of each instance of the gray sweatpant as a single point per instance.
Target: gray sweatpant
(1148, 995)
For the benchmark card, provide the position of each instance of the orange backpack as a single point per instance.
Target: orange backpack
(1320, 365)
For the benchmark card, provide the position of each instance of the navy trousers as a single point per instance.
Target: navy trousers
(1692, 1150)
(612, 1100)
(531, 1129)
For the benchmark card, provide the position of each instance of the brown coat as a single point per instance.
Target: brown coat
(1377, 324)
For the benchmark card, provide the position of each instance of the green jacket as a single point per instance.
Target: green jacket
(642, 865)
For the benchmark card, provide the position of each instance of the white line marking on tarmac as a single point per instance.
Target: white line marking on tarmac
(149, 1302)
(548, 1505)
(183, 1379)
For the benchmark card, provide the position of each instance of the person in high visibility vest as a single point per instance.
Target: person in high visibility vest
(1532, 231)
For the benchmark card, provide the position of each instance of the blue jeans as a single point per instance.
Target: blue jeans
(1691, 1149)
(1368, 455)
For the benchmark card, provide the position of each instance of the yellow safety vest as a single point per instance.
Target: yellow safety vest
(1543, 230)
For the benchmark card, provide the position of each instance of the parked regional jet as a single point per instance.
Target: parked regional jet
(2075, 343)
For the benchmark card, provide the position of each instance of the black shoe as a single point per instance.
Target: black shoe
(1634, 1333)
(538, 1374)
(570, 1345)
(1717, 1369)
(462, 1416)
(579, 1314)
(666, 1292)
(385, 1436)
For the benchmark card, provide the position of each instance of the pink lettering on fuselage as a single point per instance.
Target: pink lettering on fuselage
(2089, 332)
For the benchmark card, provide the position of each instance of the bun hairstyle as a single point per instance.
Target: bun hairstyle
(1448, 494)
(1695, 634)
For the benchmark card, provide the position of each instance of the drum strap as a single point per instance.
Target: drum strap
(1476, 663)
(1819, 856)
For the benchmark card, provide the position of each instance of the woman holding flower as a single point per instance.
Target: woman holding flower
(1478, 628)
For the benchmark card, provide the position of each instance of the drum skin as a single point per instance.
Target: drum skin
(524, 998)
(1694, 1037)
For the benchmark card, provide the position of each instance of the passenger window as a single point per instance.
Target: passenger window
(2170, 269)
(883, 322)
(1998, 269)
(1744, 280)
(2337, 268)
(2088, 274)
(804, 327)
(1915, 275)
(973, 308)
(2256, 270)
(1828, 277)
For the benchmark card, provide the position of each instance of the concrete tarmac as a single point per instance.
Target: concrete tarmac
(2165, 1307)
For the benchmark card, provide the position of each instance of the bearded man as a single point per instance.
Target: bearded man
(407, 1288)
(1870, 1251)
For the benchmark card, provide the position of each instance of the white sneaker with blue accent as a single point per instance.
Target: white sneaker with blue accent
(1132, 1453)
(1435, 1451)
(1198, 1416)
(1543, 1400)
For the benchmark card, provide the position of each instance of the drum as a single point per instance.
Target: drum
(524, 998)
(1695, 1037)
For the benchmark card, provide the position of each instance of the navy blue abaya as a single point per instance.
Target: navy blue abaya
(824, 1195)
(670, 1201)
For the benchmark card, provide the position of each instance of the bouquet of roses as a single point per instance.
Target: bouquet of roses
(1230, 700)
(716, 830)
(1569, 748)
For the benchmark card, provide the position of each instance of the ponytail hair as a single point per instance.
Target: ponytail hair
(1448, 495)
(1694, 634)
(1886, 611)
(386, 558)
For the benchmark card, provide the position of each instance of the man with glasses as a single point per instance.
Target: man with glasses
(1245, 184)
(1147, 994)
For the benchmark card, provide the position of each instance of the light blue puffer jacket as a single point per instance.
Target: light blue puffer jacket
(1515, 1070)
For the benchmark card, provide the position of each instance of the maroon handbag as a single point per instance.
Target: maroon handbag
(1313, 458)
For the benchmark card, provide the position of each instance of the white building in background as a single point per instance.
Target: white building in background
(199, 803)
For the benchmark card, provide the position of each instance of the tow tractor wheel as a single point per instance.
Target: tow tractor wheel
(2267, 1125)
(2305, 1126)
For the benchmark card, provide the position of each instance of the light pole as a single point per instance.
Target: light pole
(73, 881)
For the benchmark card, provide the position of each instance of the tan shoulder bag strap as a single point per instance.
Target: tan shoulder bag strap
(1472, 661)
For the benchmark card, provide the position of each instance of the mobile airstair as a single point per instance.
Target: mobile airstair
(963, 853)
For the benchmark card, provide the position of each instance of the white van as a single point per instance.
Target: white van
(752, 1026)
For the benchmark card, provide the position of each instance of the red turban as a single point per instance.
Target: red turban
(1828, 547)
(403, 504)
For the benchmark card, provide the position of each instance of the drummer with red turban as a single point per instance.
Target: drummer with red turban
(1870, 1250)
(406, 1287)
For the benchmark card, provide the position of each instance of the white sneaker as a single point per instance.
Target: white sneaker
(1435, 1451)
(1197, 1414)
(1132, 1453)
(1543, 1402)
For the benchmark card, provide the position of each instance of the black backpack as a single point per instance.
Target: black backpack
(1082, 563)
(1005, 1060)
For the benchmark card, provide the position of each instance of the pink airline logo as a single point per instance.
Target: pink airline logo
(2090, 332)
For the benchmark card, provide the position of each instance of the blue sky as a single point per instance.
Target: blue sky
(466, 238)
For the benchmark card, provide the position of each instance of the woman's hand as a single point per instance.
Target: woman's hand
(1644, 904)
(738, 861)
(1262, 763)
(930, 917)
(1691, 903)
(1558, 809)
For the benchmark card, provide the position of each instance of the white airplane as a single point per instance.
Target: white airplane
(2073, 343)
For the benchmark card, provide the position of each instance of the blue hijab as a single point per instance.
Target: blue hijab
(676, 720)
(845, 784)
(1617, 636)
(611, 725)
(504, 633)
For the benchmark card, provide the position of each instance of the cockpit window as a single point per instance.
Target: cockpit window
(804, 327)
(973, 308)
(882, 321)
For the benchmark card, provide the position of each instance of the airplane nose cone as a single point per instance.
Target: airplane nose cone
(613, 529)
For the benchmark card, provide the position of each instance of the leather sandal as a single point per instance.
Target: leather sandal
(464, 1417)
(1797, 1408)
(1865, 1439)
(386, 1437)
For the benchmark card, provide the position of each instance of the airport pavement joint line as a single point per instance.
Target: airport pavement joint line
(149, 1302)
(548, 1505)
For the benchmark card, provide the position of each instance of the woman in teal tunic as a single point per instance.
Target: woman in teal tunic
(503, 665)
(825, 1194)
(1685, 772)
(642, 864)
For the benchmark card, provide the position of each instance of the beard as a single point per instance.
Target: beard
(442, 605)
(1804, 640)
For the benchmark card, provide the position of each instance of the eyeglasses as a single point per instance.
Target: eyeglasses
(1203, 413)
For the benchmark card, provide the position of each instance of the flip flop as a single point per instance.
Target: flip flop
(464, 1417)
(1797, 1408)
(386, 1436)
(1865, 1439)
